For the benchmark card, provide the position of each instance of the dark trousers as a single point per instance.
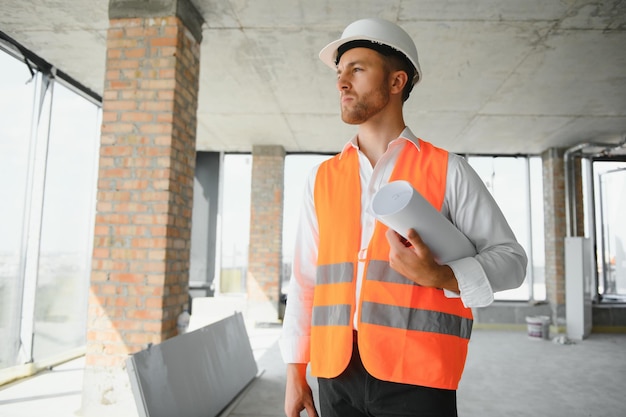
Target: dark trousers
(355, 393)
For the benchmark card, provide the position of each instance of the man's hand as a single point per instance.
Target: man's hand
(298, 394)
(414, 260)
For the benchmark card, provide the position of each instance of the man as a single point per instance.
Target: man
(384, 326)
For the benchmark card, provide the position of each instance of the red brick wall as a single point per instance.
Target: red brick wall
(554, 227)
(145, 188)
(266, 224)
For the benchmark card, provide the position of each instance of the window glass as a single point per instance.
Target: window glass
(610, 183)
(297, 170)
(235, 223)
(508, 180)
(67, 224)
(16, 101)
(537, 258)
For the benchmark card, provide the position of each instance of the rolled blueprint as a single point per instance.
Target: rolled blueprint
(400, 207)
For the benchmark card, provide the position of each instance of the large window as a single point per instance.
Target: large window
(516, 184)
(16, 108)
(235, 223)
(49, 137)
(67, 224)
(610, 183)
(297, 170)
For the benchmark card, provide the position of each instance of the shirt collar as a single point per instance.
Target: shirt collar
(405, 135)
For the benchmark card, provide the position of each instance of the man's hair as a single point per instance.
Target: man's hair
(395, 60)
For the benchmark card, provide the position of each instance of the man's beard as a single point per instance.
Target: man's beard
(366, 106)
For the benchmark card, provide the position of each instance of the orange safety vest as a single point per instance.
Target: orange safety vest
(407, 333)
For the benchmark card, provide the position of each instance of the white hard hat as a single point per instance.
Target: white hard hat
(378, 31)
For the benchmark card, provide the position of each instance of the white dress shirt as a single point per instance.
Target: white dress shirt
(500, 262)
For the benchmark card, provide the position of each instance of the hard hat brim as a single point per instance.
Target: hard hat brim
(328, 54)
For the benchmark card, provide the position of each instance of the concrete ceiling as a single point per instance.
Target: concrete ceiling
(500, 76)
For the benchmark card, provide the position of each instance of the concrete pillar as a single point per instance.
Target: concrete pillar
(140, 267)
(266, 231)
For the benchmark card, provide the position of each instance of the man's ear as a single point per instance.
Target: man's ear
(398, 81)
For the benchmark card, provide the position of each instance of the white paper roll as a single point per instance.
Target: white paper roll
(400, 207)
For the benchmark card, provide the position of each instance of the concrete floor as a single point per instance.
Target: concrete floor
(507, 374)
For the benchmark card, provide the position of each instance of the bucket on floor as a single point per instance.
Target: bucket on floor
(538, 327)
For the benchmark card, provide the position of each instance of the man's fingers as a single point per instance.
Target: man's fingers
(397, 240)
(311, 411)
(392, 237)
(415, 238)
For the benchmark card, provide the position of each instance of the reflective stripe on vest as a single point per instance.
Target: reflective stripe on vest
(415, 319)
(405, 317)
(407, 333)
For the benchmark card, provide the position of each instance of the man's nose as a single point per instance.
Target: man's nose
(342, 82)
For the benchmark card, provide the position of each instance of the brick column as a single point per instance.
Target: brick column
(140, 267)
(266, 231)
(555, 231)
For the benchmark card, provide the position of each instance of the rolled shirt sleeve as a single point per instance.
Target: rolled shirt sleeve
(500, 262)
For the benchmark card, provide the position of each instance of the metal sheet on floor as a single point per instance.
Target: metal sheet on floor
(194, 374)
